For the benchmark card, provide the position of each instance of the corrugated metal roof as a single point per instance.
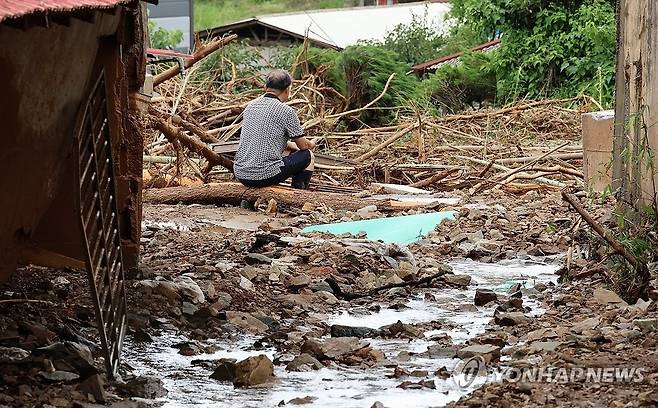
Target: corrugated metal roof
(345, 27)
(18, 8)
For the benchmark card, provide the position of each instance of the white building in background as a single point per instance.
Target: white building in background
(337, 28)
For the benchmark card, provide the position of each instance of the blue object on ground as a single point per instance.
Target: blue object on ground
(400, 230)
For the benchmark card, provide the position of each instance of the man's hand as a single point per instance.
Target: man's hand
(291, 146)
(305, 144)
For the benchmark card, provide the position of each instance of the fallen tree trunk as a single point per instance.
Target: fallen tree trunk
(234, 193)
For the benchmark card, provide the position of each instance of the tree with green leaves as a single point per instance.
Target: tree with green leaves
(550, 47)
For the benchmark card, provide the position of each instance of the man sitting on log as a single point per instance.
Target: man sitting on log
(272, 143)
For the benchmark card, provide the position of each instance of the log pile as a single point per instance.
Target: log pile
(523, 147)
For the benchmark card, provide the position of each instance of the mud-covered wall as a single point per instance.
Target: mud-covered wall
(45, 73)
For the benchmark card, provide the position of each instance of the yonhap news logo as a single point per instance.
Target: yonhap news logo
(472, 372)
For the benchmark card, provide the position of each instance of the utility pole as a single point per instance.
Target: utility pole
(636, 107)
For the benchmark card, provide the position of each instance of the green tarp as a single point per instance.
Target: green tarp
(401, 230)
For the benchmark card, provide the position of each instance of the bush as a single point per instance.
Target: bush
(551, 48)
(416, 42)
(455, 87)
(162, 38)
(367, 68)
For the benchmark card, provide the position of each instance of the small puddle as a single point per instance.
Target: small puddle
(345, 387)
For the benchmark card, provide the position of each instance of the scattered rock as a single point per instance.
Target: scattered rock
(253, 371)
(510, 319)
(587, 324)
(332, 348)
(607, 297)
(302, 401)
(246, 321)
(484, 296)
(304, 362)
(299, 281)
(338, 330)
(459, 280)
(59, 376)
(143, 387)
(10, 355)
(94, 386)
(646, 325)
(225, 371)
(246, 284)
(487, 351)
(254, 258)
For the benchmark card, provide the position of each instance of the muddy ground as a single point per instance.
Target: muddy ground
(234, 307)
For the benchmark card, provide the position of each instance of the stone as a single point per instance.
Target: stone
(143, 387)
(308, 207)
(459, 280)
(246, 321)
(510, 305)
(484, 296)
(607, 297)
(338, 330)
(584, 325)
(510, 319)
(302, 401)
(253, 371)
(487, 351)
(94, 386)
(321, 286)
(250, 272)
(406, 271)
(367, 210)
(400, 329)
(299, 281)
(70, 354)
(189, 289)
(254, 258)
(10, 355)
(545, 345)
(304, 362)
(246, 284)
(646, 325)
(59, 376)
(332, 348)
(225, 371)
(189, 308)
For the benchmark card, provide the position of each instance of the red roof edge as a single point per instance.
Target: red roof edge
(425, 65)
(11, 9)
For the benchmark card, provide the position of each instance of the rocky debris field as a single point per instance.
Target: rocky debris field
(240, 300)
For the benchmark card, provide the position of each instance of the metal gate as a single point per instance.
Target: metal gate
(96, 205)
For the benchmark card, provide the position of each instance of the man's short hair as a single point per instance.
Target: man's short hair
(278, 79)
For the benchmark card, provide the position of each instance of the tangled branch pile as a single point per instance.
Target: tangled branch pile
(530, 145)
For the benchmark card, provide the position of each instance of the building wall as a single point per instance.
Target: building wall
(175, 15)
(45, 73)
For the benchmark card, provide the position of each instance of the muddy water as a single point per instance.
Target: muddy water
(345, 387)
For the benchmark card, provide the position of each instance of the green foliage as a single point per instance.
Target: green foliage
(162, 38)
(367, 69)
(416, 42)
(551, 48)
(213, 13)
(453, 87)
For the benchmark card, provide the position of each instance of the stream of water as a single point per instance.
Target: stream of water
(346, 387)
